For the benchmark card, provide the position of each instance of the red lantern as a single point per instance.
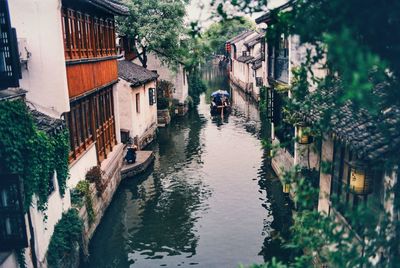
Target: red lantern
(228, 47)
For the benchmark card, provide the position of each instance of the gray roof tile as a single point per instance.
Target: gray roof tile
(135, 74)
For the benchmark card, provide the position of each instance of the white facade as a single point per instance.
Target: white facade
(44, 78)
(38, 25)
(141, 120)
(177, 77)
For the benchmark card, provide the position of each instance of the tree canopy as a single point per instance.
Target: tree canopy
(154, 26)
(358, 45)
(219, 32)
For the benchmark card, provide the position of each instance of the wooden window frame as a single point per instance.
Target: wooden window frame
(92, 119)
(137, 101)
(86, 36)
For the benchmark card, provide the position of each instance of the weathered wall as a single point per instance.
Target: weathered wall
(325, 179)
(44, 77)
(178, 77)
(142, 124)
(78, 168)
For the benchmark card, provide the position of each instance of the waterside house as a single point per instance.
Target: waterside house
(67, 74)
(354, 150)
(246, 56)
(177, 76)
(138, 102)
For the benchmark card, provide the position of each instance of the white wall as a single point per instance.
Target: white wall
(43, 229)
(39, 21)
(181, 89)
(136, 123)
(78, 169)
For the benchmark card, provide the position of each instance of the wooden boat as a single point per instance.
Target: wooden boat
(220, 104)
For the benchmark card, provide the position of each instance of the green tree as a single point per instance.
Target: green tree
(219, 32)
(357, 42)
(154, 26)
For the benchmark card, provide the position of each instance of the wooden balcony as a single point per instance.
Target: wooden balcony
(86, 76)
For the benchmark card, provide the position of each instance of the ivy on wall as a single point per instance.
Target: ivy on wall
(65, 239)
(31, 153)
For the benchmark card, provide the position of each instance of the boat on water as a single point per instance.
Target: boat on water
(220, 103)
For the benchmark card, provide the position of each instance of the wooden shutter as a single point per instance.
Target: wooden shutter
(12, 220)
(10, 71)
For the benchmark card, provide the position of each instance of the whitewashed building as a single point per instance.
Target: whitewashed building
(176, 75)
(246, 56)
(137, 102)
(350, 161)
(68, 76)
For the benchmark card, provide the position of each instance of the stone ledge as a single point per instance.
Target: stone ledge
(143, 161)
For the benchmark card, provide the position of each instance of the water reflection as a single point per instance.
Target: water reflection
(211, 199)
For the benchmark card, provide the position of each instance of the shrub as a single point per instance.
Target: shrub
(162, 103)
(95, 175)
(67, 235)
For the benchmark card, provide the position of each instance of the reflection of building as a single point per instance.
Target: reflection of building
(137, 100)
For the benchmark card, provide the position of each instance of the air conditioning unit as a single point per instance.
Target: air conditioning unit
(24, 53)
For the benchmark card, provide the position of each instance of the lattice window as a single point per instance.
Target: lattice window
(91, 119)
(10, 71)
(12, 221)
(86, 36)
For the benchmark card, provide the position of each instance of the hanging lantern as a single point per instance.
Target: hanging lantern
(286, 187)
(303, 134)
(359, 181)
(12, 220)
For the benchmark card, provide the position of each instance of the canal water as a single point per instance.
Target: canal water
(210, 200)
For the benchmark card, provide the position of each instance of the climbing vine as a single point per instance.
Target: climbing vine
(66, 237)
(83, 188)
(31, 153)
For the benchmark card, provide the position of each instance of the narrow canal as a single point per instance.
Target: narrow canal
(211, 199)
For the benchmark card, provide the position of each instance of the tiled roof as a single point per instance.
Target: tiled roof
(370, 137)
(267, 16)
(240, 37)
(254, 40)
(135, 74)
(245, 59)
(113, 6)
(12, 93)
(46, 123)
(257, 62)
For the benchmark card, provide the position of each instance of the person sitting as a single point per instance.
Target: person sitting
(130, 156)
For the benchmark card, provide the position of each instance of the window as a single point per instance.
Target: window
(86, 36)
(340, 192)
(278, 60)
(91, 119)
(10, 71)
(283, 130)
(12, 221)
(138, 102)
(152, 96)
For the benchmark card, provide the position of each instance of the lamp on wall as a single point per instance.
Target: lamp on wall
(286, 187)
(12, 219)
(303, 134)
(359, 180)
